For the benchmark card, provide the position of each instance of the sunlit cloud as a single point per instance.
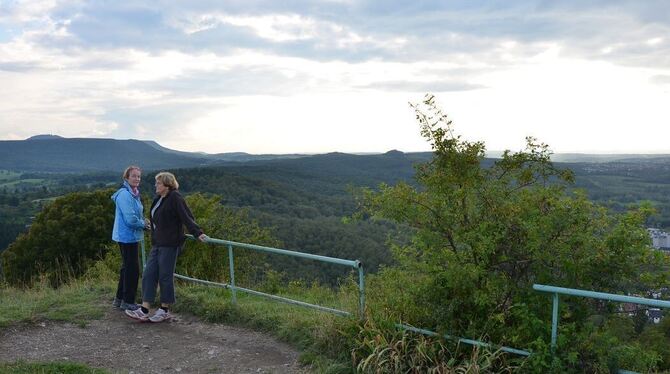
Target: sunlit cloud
(337, 75)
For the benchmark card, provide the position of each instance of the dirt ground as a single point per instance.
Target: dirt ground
(122, 345)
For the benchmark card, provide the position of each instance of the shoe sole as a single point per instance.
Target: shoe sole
(135, 318)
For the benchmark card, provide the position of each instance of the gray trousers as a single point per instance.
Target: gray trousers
(160, 272)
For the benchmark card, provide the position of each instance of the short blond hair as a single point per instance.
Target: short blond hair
(126, 173)
(168, 180)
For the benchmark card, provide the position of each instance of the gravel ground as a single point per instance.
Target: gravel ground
(122, 345)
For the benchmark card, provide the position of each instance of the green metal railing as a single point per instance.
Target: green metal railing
(356, 264)
(361, 288)
(593, 295)
(234, 288)
(515, 351)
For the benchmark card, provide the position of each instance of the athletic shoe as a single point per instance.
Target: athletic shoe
(125, 306)
(160, 316)
(137, 314)
(116, 303)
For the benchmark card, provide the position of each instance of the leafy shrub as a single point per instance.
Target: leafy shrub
(210, 261)
(486, 230)
(67, 237)
(388, 350)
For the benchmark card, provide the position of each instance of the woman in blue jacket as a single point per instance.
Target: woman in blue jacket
(129, 224)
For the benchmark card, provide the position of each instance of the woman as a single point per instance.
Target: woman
(169, 215)
(128, 225)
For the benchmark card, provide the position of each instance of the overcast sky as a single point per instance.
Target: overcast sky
(337, 75)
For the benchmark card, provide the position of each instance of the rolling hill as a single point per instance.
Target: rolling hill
(49, 153)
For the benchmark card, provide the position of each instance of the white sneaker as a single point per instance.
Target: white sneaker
(137, 314)
(160, 316)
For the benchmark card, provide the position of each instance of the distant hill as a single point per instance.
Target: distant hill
(45, 137)
(223, 157)
(598, 157)
(86, 155)
(595, 158)
(51, 153)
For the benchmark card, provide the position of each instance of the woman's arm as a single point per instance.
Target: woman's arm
(128, 213)
(186, 216)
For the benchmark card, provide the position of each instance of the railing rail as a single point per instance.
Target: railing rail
(351, 263)
(593, 295)
(356, 264)
(515, 351)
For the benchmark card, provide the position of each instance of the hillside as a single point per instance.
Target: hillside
(49, 153)
(86, 155)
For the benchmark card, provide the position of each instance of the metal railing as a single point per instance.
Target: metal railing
(361, 288)
(593, 295)
(356, 264)
(515, 351)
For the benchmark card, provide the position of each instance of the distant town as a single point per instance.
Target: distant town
(659, 239)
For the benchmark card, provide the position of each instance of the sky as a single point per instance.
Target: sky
(317, 76)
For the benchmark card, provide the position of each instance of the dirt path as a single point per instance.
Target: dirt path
(122, 345)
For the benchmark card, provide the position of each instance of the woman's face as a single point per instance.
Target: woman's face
(134, 178)
(161, 189)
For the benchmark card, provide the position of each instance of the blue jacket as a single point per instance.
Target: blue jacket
(129, 217)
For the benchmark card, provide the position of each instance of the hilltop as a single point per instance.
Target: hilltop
(55, 154)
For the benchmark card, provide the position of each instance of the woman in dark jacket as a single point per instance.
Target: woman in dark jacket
(169, 215)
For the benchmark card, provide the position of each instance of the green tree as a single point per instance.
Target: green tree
(65, 238)
(210, 261)
(485, 232)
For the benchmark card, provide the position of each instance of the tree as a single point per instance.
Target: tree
(210, 261)
(486, 231)
(65, 238)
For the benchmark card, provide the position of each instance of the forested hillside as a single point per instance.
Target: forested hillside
(304, 200)
(86, 155)
(77, 155)
(619, 184)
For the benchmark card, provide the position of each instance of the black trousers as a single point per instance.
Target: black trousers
(129, 273)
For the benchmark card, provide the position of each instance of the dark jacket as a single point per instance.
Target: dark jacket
(169, 219)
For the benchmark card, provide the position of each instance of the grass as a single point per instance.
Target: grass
(77, 303)
(315, 334)
(6, 175)
(21, 367)
(18, 182)
(324, 340)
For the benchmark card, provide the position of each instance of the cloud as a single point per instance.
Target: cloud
(146, 68)
(660, 79)
(427, 86)
(18, 66)
(231, 82)
(355, 31)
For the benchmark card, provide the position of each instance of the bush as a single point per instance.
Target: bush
(66, 238)
(486, 230)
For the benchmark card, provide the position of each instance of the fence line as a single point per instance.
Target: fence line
(356, 264)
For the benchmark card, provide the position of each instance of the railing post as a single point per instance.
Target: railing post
(231, 264)
(554, 322)
(361, 292)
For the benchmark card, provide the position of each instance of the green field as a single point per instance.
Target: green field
(8, 176)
